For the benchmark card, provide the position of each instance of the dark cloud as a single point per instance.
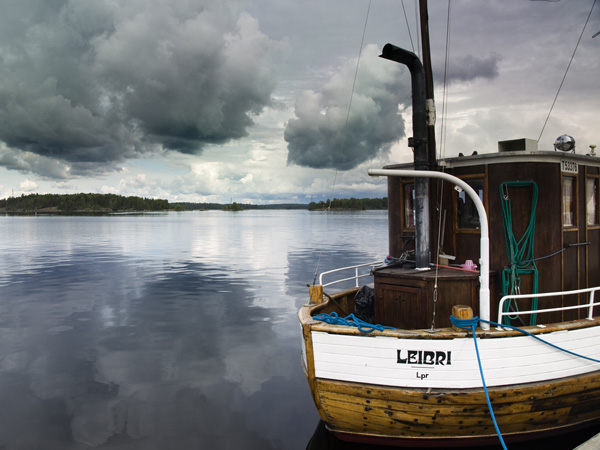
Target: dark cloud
(94, 83)
(469, 68)
(29, 162)
(318, 137)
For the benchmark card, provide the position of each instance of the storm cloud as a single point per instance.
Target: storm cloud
(93, 83)
(318, 136)
(469, 68)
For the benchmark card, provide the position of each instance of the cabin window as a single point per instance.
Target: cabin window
(409, 205)
(568, 196)
(467, 217)
(591, 201)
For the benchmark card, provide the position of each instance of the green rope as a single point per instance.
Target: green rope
(520, 253)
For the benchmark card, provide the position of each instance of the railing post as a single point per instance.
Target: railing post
(316, 293)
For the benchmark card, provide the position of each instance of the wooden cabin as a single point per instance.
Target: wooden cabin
(566, 235)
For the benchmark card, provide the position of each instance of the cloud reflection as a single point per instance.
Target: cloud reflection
(173, 331)
(126, 357)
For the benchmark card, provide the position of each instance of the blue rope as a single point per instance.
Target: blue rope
(351, 321)
(540, 339)
(467, 324)
(471, 324)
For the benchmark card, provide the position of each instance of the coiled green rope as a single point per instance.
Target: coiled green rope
(520, 253)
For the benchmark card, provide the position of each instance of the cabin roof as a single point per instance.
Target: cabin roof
(553, 157)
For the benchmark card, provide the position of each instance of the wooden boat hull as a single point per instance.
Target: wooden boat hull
(441, 409)
(442, 418)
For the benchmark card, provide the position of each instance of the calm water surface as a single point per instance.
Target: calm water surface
(161, 331)
(168, 331)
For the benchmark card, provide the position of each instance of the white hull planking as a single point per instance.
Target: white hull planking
(422, 363)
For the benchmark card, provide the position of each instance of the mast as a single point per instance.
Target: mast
(429, 93)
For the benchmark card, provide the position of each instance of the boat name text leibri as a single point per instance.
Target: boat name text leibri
(425, 357)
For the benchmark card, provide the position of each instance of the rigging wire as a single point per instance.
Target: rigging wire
(343, 143)
(408, 27)
(440, 207)
(567, 71)
(418, 22)
(443, 119)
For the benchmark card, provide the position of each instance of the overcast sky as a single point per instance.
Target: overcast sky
(213, 100)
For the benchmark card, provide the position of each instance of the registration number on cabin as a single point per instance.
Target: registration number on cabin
(568, 166)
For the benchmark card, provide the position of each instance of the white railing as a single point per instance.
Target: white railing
(590, 304)
(355, 277)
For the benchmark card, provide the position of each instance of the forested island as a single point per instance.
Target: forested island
(234, 206)
(80, 203)
(356, 204)
(113, 203)
(353, 204)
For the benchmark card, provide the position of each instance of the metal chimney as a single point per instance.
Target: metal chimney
(420, 147)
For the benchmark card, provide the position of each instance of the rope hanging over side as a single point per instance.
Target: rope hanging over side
(470, 324)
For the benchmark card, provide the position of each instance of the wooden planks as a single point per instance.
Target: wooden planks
(415, 413)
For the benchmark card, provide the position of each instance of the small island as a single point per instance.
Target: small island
(80, 204)
(349, 204)
(233, 207)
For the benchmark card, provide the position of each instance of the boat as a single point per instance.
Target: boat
(483, 323)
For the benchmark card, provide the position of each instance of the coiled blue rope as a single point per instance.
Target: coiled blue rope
(351, 321)
(470, 324)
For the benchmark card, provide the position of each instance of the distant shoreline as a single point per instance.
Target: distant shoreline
(106, 204)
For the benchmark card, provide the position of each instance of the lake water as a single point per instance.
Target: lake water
(156, 331)
(169, 331)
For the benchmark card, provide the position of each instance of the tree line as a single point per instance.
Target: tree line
(234, 206)
(105, 203)
(360, 204)
(73, 203)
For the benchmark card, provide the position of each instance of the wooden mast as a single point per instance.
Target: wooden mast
(429, 94)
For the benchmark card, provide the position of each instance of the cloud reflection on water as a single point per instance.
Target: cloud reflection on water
(133, 338)
(174, 359)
